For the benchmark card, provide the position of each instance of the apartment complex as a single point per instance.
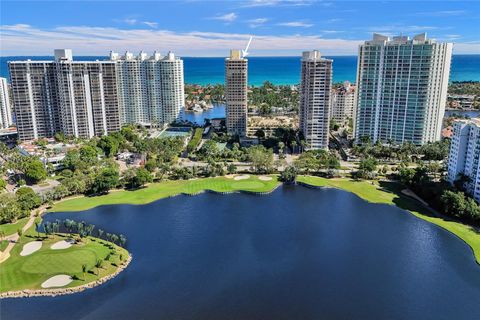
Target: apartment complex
(5, 107)
(92, 98)
(342, 102)
(401, 89)
(315, 91)
(464, 156)
(151, 88)
(236, 73)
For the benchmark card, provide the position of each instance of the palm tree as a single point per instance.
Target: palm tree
(84, 270)
(98, 265)
(100, 233)
(36, 228)
(123, 240)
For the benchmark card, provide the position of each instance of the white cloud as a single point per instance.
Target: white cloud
(130, 21)
(276, 3)
(254, 23)
(398, 29)
(333, 20)
(23, 39)
(444, 13)
(229, 17)
(295, 24)
(151, 24)
(332, 31)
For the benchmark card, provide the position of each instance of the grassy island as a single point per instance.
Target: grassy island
(30, 271)
(390, 193)
(156, 191)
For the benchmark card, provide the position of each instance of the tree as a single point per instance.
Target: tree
(109, 145)
(453, 203)
(367, 168)
(142, 177)
(231, 168)
(261, 158)
(84, 270)
(27, 198)
(88, 154)
(107, 179)
(98, 265)
(35, 171)
(10, 210)
(289, 175)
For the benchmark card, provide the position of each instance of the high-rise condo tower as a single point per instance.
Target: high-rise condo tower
(5, 106)
(315, 91)
(401, 89)
(236, 71)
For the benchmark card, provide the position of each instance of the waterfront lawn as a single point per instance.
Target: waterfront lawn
(29, 272)
(165, 189)
(11, 228)
(390, 193)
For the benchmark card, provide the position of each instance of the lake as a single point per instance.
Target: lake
(297, 253)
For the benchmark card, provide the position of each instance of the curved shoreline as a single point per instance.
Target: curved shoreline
(64, 291)
(473, 245)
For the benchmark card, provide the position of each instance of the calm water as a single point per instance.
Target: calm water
(278, 70)
(295, 254)
(218, 111)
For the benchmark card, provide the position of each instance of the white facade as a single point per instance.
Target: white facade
(465, 154)
(315, 91)
(73, 97)
(236, 74)
(88, 98)
(5, 106)
(342, 103)
(151, 88)
(401, 89)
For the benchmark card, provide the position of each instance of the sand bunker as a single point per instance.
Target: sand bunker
(60, 280)
(31, 247)
(62, 245)
(265, 178)
(243, 177)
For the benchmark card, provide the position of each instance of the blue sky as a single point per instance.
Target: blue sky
(211, 28)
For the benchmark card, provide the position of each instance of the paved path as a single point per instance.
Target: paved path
(13, 238)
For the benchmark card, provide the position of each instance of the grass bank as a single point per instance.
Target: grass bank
(29, 272)
(165, 189)
(11, 228)
(390, 193)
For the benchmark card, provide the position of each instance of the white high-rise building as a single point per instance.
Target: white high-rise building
(464, 156)
(5, 106)
(401, 89)
(151, 88)
(236, 73)
(73, 97)
(342, 102)
(315, 91)
(88, 98)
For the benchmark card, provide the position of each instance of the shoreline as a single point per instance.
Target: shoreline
(27, 293)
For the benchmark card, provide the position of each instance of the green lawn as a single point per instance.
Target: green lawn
(390, 193)
(165, 189)
(11, 228)
(3, 245)
(28, 272)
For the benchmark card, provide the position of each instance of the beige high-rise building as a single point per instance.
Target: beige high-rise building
(315, 91)
(342, 103)
(401, 89)
(236, 75)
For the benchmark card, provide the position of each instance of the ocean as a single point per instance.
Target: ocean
(278, 70)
